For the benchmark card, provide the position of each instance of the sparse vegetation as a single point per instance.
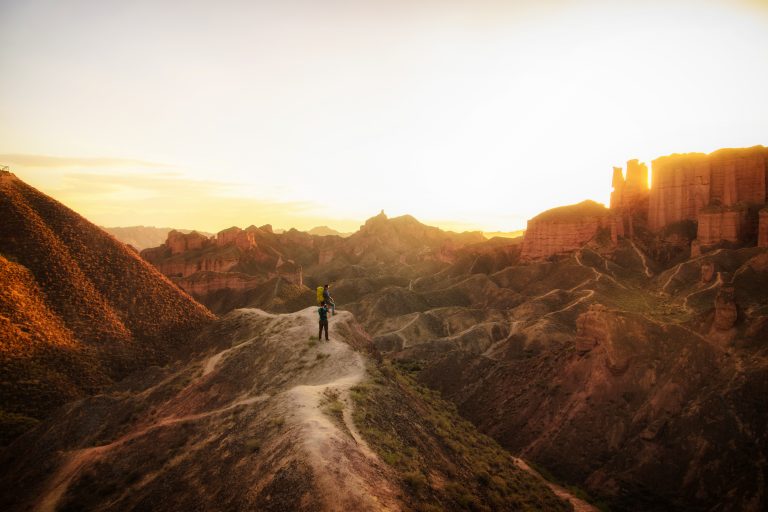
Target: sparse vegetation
(332, 405)
(441, 458)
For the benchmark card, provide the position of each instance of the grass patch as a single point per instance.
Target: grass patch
(443, 462)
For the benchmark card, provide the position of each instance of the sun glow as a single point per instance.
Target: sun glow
(471, 115)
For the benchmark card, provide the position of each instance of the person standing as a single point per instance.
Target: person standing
(328, 299)
(323, 312)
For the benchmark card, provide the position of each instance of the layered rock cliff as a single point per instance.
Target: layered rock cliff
(762, 229)
(563, 229)
(683, 184)
(716, 224)
(630, 190)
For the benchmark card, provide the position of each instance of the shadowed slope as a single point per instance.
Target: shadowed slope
(73, 291)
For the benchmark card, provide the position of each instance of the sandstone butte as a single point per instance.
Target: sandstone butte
(563, 229)
(721, 194)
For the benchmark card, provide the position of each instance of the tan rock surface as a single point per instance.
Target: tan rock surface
(762, 229)
(563, 229)
(722, 224)
(683, 184)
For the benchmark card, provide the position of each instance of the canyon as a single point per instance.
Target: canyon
(609, 353)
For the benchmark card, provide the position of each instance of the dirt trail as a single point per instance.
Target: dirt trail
(579, 505)
(688, 262)
(717, 282)
(78, 459)
(342, 462)
(640, 254)
(598, 275)
(573, 304)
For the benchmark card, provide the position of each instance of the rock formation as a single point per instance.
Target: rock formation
(629, 198)
(563, 229)
(726, 311)
(144, 237)
(630, 191)
(707, 271)
(716, 224)
(179, 242)
(243, 240)
(684, 184)
(762, 230)
(591, 329)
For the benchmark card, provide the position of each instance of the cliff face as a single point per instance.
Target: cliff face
(563, 229)
(179, 242)
(728, 225)
(683, 184)
(762, 230)
(243, 240)
(183, 255)
(629, 191)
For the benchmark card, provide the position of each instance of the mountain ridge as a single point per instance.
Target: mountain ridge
(90, 294)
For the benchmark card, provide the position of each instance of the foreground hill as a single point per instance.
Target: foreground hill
(77, 308)
(267, 420)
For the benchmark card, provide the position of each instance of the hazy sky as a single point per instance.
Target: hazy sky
(465, 113)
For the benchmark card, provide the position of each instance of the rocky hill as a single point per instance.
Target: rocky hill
(256, 267)
(143, 237)
(639, 382)
(612, 354)
(564, 229)
(267, 420)
(78, 309)
(326, 231)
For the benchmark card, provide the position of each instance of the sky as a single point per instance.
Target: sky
(468, 114)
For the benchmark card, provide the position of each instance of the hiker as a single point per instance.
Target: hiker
(320, 295)
(323, 312)
(328, 300)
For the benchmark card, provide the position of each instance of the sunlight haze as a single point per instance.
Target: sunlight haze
(466, 114)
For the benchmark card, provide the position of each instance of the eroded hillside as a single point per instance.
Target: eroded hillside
(78, 309)
(267, 419)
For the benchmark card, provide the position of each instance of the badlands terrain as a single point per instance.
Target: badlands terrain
(620, 352)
